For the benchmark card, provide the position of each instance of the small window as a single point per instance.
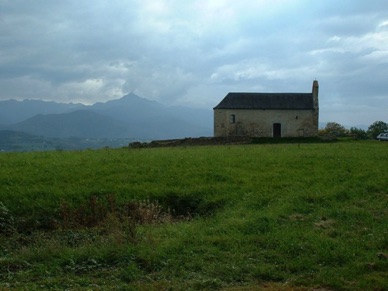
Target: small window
(232, 118)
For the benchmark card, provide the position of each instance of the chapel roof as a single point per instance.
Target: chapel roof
(282, 101)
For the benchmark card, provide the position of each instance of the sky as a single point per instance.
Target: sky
(193, 52)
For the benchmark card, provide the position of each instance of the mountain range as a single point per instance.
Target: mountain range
(130, 117)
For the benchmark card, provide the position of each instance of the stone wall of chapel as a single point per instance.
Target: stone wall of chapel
(259, 123)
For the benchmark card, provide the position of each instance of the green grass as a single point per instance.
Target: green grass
(275, 216)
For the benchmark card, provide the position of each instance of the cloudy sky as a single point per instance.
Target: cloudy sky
(193, 52)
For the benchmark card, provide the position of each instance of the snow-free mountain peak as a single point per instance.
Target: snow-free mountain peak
(130, 116)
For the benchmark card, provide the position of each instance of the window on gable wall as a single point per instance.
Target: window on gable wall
(232, 118)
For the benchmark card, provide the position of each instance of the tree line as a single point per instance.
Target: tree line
(335, 129)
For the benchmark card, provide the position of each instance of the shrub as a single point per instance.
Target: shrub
(376, 128)
(358, 133)
(334, 129)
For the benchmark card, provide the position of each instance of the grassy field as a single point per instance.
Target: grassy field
(276, 217)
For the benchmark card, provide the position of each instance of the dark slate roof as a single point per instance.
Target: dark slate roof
(293, 101)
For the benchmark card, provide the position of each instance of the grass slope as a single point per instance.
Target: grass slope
(249, 216)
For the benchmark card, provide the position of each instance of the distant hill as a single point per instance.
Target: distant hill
(128, 117)
(148, 119)
(12, 111)
(80, 123)
(6, 135)
(15, 141)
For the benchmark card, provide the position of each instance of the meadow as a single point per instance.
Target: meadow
(303, 216)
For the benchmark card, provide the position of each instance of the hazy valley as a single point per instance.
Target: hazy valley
(113, 123)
